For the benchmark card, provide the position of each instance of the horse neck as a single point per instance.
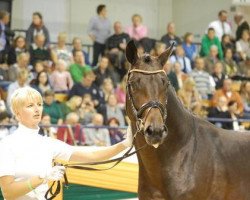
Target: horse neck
(180, 121)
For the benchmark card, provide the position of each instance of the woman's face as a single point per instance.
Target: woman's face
(39, 67)
(112, 101)
(36, 20)
(108, 86)
(30, 113)
(228, 54)
(43, 78)
(136, 21)
(20, 43)
(245, 35)
(190, 38)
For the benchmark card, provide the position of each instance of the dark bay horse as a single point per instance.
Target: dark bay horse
(194, 160)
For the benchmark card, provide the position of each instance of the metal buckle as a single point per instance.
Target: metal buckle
(139, 125)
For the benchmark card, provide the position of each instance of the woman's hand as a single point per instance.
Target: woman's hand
(55, 173)
(128, 142)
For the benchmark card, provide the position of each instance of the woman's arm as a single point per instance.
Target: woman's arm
(81, 155)
(12, 189)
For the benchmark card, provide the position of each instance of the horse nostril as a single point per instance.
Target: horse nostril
(149, 130)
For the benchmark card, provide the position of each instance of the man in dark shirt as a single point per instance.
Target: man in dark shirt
(242, 24)
(38, 50)
(170, 37)
(87, 87)
(115, 45)
(104, 71)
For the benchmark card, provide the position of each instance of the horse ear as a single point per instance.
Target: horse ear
(165, 55)
(131, 52)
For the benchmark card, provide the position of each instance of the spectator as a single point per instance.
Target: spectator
(113, 110)
(86, 110)
(202, 79)
(182, 59)
(211, 59)
(115, 46)
(77, 46)
(244, 67)
(189, 47)
(71, 131)
(4, 121)
(170, 37)
(168, 68)
(23, 60)
(230, 95)
(60, 79)
(242, 25)
(221, 26)
(5, 34)
(245, 96)
(18, 47)
(97, 136)
(87, 87)
(159, 48)
(3, 107)
(99, 29)
(230, 66)
(61, 50)
(46, 128)
(39, 52)
(115, 133)
(79, 68)
(233, 110)
(218, 75)
(71, 105)
(209, 40)
(37, 27)
(180, 75)
(243, 45)
(107, 88)
(190, 97)
(137, 31)
(22, 79)
(104, 71)
(120, 92)
(226, 43)
(52, 108)
(220, 111)
(38, 67)
(41, 83)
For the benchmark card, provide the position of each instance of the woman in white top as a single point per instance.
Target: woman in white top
(26, 157)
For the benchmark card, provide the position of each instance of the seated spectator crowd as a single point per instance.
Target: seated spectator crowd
(211, 79)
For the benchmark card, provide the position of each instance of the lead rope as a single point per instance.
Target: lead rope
(49, 195)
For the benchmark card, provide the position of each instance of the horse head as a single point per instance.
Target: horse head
(146, 101)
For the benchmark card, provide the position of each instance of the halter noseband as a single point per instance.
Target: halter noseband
(149, 105)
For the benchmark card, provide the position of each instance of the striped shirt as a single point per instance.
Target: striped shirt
(203, 83)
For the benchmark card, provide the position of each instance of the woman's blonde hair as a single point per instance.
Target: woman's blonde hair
(22, 96)
(72, 102)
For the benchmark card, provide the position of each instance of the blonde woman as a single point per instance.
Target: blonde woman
(71, 105)
(190, 96)
(26, 157)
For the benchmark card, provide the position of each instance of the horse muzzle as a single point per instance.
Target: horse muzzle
(155, 135)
